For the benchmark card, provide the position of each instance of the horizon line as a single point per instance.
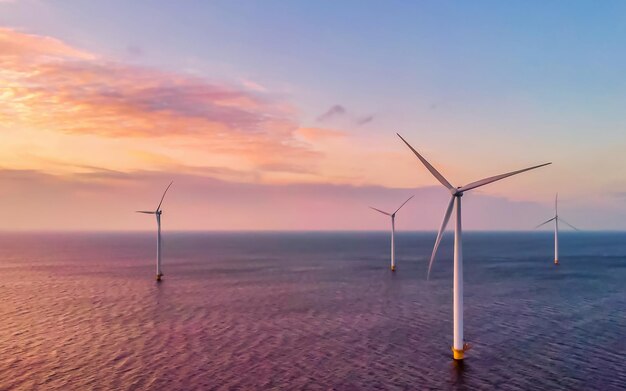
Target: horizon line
(434, 231)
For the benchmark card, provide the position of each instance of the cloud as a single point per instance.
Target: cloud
(365, 120)
(103, 199)
(337, 112)
(18, 49)
(120, 101)
(50, 86)
(254, 86)
(332, 113)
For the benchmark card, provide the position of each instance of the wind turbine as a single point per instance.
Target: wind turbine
(556, 219)
(393, 231)
(157, 213)
(459, 346)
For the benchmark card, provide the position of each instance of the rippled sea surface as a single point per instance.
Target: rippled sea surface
(249, 311)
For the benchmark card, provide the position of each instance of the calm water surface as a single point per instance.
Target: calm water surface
(251, 311)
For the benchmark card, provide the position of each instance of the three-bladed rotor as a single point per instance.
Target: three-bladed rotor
(158, 210)
(457, 192)
(556, 216)
(394, 213)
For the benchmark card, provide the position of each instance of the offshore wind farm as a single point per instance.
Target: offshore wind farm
(305, 310)
(297, 249)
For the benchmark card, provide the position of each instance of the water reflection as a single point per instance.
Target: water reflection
(458, 373)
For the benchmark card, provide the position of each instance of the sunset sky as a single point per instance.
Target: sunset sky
(276, 115)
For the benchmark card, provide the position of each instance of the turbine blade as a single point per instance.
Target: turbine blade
(571, 226)
(168, 187)
(545, 222)
(144, 211)
(486, 181)
(378, 210)
(430, 168)
(403, 204)
(444, 223)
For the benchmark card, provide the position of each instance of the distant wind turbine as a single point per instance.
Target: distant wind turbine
(556, 219)
(459, 346)
(157, 213)
(393, 231)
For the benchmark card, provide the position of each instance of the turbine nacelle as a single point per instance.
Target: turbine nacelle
(556, 217)
(158, 210)
(392, 215)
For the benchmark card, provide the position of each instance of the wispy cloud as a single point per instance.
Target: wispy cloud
(365, 120)
(338, 112)
(332, 113)
(51, 86)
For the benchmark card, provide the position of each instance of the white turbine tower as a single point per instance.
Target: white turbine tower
(393, 231)
(459, 346)
(157, 213)
(556, 219)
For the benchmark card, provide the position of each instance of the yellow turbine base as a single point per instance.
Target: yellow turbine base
(459, 354)
(158, 277)
(556, 261)
(393, 268)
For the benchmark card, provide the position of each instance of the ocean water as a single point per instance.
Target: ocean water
(319, 311)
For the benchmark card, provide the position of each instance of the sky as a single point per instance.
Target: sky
(274, 115)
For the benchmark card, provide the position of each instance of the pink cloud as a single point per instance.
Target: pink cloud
(52, 86)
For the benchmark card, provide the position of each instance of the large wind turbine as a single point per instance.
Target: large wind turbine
(157, 213)
(556, 219)
(393, 231)
(459, 346)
